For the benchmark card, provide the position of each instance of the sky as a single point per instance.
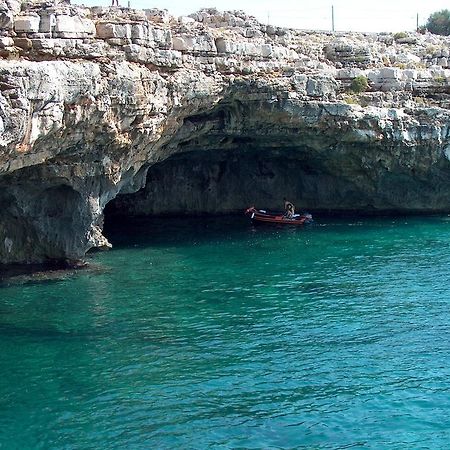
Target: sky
(349, 15)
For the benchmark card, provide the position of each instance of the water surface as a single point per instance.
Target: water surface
(215, 334)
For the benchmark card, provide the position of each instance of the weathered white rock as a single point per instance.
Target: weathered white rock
(347, 52)
(6, 20)
(267, 50)
(243, 48)
(203, 43)
(137, 53)
(407, 58)
(106, 30)
(43, 44)
(168, 58)
(6, 41)
(47, 23)
(162, 37)
(13, 6)
(253, 33)
(119, 41)
(410, 74)
(184, 20)
(157, 15)
(74, 26)
(139, 31)
(284, 53)
(27, 23)
(390, 73)
(349, 74)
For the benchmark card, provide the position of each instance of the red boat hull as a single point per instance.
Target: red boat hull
(261, 216)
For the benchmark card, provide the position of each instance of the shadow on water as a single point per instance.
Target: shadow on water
(162, 231)
(122, 233)
(48, 273)
(13, 330)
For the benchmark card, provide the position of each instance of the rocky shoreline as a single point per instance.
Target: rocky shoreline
(207, 114)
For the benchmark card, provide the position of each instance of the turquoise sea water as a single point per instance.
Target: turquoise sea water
(208, 334)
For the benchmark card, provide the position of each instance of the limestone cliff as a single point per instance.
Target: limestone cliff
(208, 113)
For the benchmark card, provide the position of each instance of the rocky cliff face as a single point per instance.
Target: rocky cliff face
(208, 113)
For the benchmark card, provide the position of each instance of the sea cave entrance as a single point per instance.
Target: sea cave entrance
(233, 156)
(240, 154)
(215, 182)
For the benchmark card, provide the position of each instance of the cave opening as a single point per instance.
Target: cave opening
(221, 161)
(238, 155)
(254, 153)
(218, 182)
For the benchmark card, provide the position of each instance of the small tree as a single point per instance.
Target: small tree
(359, 84)
(439, 22)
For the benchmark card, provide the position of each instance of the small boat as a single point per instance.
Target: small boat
(262, 216)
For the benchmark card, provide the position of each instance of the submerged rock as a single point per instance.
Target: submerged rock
(206, 114)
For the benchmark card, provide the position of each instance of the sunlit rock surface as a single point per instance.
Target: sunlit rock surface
(210, 113)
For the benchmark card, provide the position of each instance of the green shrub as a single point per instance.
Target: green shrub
(400, 35)
(440, 79)
(355, 99)
(401, 65)
(359, 84)
(350, 100)
(439, 22)
(419, 100)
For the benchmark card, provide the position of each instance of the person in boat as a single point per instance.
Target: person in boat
(289, 209)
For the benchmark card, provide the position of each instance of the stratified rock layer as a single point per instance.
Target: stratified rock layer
(206, 114)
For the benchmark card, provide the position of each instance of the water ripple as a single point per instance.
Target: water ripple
(328, 338)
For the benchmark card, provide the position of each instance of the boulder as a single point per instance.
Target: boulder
(6, 20)
(108, 30)
(157, 15)
(73, 26)
(6, 41)
(139, 31)
(161, 36)
(191, 43)
(321, 87)
(27, 24)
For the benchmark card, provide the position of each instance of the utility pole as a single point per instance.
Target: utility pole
(417, 22)
(332, 17)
